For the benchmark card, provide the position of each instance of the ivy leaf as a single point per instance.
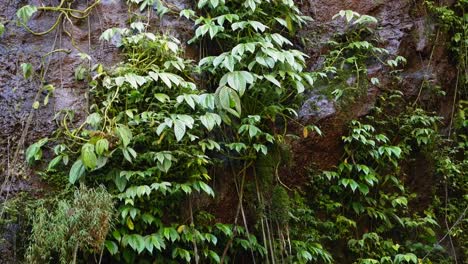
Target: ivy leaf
(305, 255)
(206, 188)
(162, 97)
(209, 120)
(54, 162)
(214, 256)
(157, 242)
(2, 29)
(25, 13)
(214, 3)
(349, 15)
(225, 229)
(36, 105)
(139, 26)
(121, 182)
(34, 151)
(179, 129)
(167, 78)
(272, 79)
(353, 184)
(76, 172)
(228, 100)
(111, 247)
(188, 13)
(237, 80)
(88, 156)
(257, 26)
(300, 87)
(124, 133)
(108, 34)
(135, 241)
(363, 188)
(27, 70)
(102, 145)
(134, 80)
(229, 63)
(94, 120)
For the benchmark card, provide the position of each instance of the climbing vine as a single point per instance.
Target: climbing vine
(160, 127)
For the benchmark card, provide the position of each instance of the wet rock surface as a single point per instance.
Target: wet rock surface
(54, 58)
(404, 28)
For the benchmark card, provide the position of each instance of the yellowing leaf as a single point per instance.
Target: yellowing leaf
(180, 229)
(36, 105)
(305, 132)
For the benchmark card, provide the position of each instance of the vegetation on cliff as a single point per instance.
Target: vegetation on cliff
(136, 180)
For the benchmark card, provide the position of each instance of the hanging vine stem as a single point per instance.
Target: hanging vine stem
(66, 12)
(427, 68)
(192, 222)
(240, 191)
(22, 139)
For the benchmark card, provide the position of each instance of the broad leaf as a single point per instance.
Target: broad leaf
(124, 133)
(25, 13)
(76, 172)
(88, 156)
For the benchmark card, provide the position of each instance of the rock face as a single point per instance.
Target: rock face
(404, 28)
(54, 57)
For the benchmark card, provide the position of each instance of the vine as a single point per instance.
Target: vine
(159, 127)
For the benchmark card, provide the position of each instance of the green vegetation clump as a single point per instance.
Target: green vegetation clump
(159, 126)
(79, 223)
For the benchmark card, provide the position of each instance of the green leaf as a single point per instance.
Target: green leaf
(162, 97)
(363, 188)
(76, 172)
(305, 255)
(134, 80)
(88, 156)
(136, 242)
(214, 256)
(272, 79)
(179, 129)
(228, 100)
(300, 87)
(108, 34)
(25, 13)
(27, 70)
(257, 26)
(124, 133)
(209, 120)
(167, 78)
(54, 162)
(349, 15)
(188, 13)
(229, 63)
(111, 247)
(206, 188)
(102, 145)
(139, 26)
(36, 105)
(2, 29)
(120, 182)
(94, 120)
(237, 80)
(34, 152)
